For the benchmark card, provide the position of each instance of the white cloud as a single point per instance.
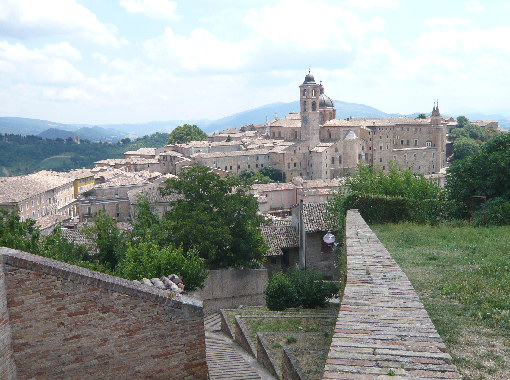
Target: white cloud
(449, 22)
(474, 6)
(369, 4)
(48, 66)
(201, 50)
(35, 19)
(163, 9)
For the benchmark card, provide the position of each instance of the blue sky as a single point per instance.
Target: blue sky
(121, 61)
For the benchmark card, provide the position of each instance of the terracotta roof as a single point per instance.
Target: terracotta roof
(16, 189)
(153, 194)
(280, 234)
(273, 186)
(315, 217)
(231, 154)
(124, 180)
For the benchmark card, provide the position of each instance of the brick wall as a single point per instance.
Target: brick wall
(7, 365)
(73, 323)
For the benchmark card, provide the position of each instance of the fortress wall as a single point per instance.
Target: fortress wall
(70, 322)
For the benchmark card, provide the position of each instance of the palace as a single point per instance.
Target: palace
(313, 144)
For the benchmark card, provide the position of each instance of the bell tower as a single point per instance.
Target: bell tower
(309, 93)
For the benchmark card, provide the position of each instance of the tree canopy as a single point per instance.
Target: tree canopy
(186, 133)
(216, 217)
(485, 173)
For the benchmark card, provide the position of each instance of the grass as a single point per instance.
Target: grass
(288, 325)
(288, 330)
(311, 361)
(277, 341)
(462, 275)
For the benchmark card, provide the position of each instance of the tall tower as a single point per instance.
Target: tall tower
(309, 93)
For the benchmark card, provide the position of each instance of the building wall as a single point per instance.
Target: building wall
(73, 323)
(315, 259)
(231, 288)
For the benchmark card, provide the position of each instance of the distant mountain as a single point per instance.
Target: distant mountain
(54, 133)
(115, 132)
(25, 126)
(258, 115)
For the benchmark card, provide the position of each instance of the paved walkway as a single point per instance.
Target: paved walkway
(382, 329)
(225, 358)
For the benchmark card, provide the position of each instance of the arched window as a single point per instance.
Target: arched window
(304, 106)
(314, 107)
(330, 116)
(304, 93)
(329, 134)
(313, 92)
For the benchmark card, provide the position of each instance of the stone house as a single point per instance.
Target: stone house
(38, 195)
(298, 241)
(111, 197)
(311, 223)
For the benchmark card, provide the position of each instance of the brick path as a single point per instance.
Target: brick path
(382, 329)
(226, 359)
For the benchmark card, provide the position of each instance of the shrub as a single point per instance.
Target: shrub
(280, 292)
(312, 291)
(300, 288)
(147, 259)
(497, 213)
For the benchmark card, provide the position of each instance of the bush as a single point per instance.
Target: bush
(280, 292)
(497, 213)
(147, 259)
(311, 290)
(300, 288)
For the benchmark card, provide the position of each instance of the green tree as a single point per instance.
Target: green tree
(485, 173)
(275, 174)
(464, 147)
(250, 176)
(17, 234)
(217, 217)
(185, 134)
(110, 241)
(462, 121)
(422, 116)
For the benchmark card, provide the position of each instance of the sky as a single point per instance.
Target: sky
(132, 61)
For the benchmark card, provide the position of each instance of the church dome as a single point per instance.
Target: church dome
(309, 79)
(325, 101)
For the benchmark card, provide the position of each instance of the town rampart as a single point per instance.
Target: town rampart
(382, 327)
(67, 322)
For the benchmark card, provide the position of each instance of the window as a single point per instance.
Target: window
(304, 92)
(339, 159)
(401, 142)
(21, 207)
(380, 159)
(314, 106)
(117, 191)
(32, 203)
(313, 92)
(304, 106)
(294, 164)
(429, 144)
(407, 142)
(288, 165)
(332, 160)
(21, 217)
(330, 115)
(415, 142)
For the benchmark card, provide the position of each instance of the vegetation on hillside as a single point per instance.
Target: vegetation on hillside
(461, 274)
(26, 154)
(186, 133)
